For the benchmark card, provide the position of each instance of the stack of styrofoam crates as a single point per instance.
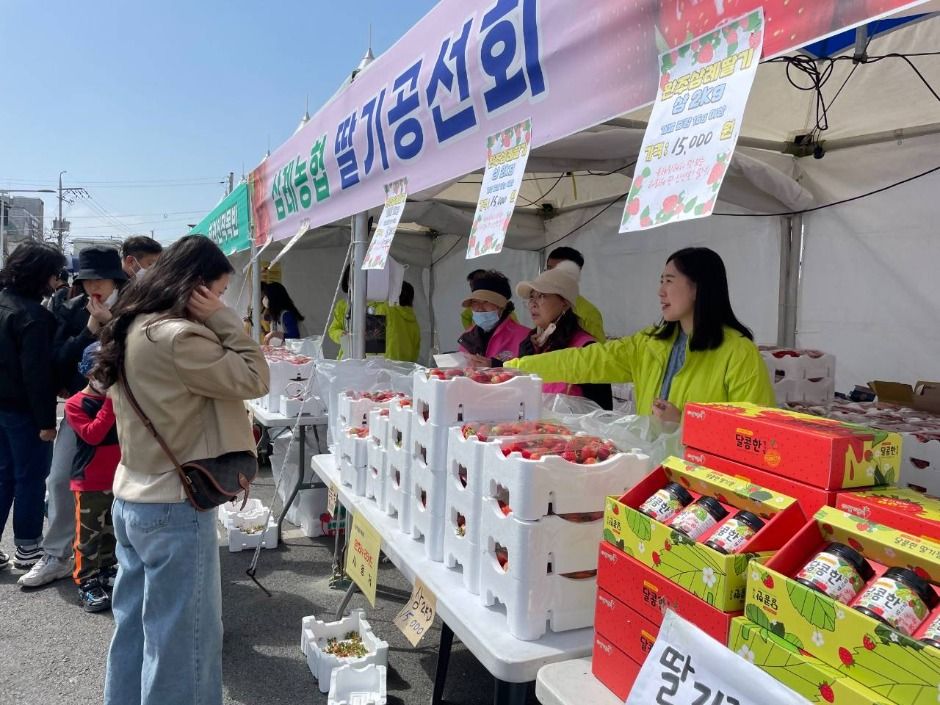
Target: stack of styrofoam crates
(441, 403)
(800, 375)
(354, 458)
(398, 463)
(287, 369)
(316, 635)
(541, 522)
(376, 456)
(247, 526)
(463, 500)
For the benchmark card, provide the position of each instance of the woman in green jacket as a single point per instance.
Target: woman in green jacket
(699, 352)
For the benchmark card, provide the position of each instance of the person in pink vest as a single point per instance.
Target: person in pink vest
(494, 336)
(551, 297)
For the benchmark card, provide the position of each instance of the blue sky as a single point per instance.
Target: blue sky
(149, 105)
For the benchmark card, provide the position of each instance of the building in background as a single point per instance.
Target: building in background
(22, 219)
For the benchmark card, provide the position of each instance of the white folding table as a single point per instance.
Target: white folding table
(571, 683)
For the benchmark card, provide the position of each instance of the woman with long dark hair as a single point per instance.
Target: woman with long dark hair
(190, 366)
(699, 352)
(280, 310)
(552, 297)
(27, 394)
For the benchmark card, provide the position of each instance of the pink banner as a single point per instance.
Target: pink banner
(471, 68)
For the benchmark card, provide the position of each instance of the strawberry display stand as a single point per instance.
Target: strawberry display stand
(899, 668)
(800, 375)
(448, 397)
(717, 578)
(543, 572)
(901, 508)
(790, 664)
(315, 638)
(821, 452)
(535, 484)
(353, 458)
(810, 498)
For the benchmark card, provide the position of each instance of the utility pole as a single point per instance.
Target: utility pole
(58, 224)
(231, 182)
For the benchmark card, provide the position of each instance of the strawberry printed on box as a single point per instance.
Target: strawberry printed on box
(453, 396)
(786, 660)
(818, 451)
(897, 667)
(717, 578)
(901, 508)
(536, 476)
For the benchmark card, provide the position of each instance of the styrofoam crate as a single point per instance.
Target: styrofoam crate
(460, 399)
(376, 474)
(315, 635)
(358, 686)
(427, 510)
(461, 553)
(228, 511)
(311, 506)
(240, 540)
(551, 545)
(920, 462)
(805, 365)
(378, 426)
(555, 602)
(400, 419)
(552, 485)
(464, 482)
(398, 488)
(805, 391)
(283, 374)
(353, 460)
(429, 445)
(353, 409)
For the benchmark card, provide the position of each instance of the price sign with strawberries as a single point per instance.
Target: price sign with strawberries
(694, 126)
(396, 194)
(506, 155)
(687, 666)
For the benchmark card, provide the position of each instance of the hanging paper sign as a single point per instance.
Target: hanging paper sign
(396, 194)
(416, 617)
(686, 665)
(301, 231)
(332, 498)
(694, 126)
(506, 155)
(362, 556)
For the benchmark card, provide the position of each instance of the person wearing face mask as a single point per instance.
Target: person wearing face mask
(138, 254)
(573, 261)
(551, 299)
(494, 337)
(699, 352)
(101, 278)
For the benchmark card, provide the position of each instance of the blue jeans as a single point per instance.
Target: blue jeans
(24, 465)
(167, 605)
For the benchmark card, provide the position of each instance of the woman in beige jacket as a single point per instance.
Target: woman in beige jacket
(190, 366)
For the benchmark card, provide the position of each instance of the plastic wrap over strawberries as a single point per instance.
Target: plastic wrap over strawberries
(486, 431)
(583, 450)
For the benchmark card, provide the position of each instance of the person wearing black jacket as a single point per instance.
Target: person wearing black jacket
(101, 277)
(27, 394)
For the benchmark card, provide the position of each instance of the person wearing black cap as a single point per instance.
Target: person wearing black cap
(101, 277)
(495, 337)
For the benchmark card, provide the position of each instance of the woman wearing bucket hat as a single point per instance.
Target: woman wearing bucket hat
(551, 298)
(495, 337)
(100, 277)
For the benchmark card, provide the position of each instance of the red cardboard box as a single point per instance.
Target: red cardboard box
(613, 667)
(810, 498)
(822, 452)
(900, 508)
(624, 627)
(649, 593)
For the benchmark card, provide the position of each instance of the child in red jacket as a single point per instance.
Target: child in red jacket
(91, 416)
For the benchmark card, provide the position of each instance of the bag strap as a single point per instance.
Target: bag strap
(150, 427)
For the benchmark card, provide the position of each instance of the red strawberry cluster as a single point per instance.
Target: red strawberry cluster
(481, 375)
(272, 354)
(582, 450)
(377, 397)
(484, 431)
(358, 431)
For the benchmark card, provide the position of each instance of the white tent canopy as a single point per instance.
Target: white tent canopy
(859, 271)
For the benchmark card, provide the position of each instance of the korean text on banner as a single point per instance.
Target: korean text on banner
(506, 155)
(686, 665)
(362, 556)
(694, 126)
(396, 194)
(228, 225)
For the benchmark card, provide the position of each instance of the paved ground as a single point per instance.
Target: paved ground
(52, 653)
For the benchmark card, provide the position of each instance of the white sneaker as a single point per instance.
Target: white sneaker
(48, 569)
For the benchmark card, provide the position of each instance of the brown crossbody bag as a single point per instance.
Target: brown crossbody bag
(211, 481)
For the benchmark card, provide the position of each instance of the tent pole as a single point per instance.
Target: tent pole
(791, 265)
(359, 230)
(255, 293)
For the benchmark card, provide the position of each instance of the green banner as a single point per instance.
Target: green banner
(228, 223)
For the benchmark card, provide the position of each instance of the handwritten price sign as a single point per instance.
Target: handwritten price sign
(332, 498)
(362, 556)
(416, 617)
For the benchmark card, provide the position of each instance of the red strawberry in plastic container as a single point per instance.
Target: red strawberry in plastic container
(581, 450)
(486, 430)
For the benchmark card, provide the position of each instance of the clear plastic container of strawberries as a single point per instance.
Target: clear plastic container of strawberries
(581, 450)
(486, 430)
